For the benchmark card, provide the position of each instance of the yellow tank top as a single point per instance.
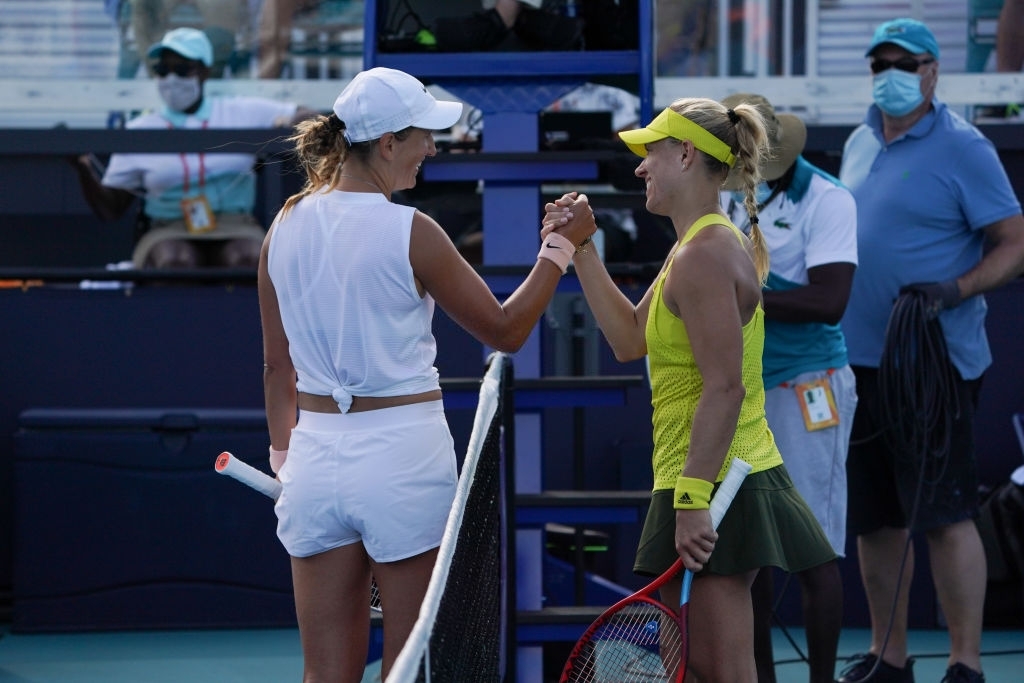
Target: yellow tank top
(676, 386)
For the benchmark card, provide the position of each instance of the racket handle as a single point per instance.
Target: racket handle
(247, 474)
(738, 471)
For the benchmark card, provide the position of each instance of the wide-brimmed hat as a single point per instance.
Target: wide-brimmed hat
(382, 100)
(787, 136)
(190, 43)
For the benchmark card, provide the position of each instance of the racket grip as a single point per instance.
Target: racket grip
(738, 471)
(247, 474)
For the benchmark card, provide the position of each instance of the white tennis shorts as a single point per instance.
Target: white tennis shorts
(816, 460)
(385, 478)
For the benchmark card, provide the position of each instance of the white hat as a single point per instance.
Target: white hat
(190, 43)
(382, 100)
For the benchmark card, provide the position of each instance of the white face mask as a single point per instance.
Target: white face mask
(179, 93)
(896, 92)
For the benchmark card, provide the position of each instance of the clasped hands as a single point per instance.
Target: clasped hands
(570, 216)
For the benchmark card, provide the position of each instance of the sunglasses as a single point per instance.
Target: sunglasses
(182, 70)
(908, 64)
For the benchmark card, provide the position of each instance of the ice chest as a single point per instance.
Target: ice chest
(121, 522)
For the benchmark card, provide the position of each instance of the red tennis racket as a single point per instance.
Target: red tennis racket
(639, 638)
(270, 487)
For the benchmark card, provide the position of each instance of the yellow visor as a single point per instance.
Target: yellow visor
(670, 124)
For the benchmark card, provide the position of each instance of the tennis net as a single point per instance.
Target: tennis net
(462, 630)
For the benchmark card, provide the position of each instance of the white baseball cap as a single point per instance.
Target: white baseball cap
(190, 43)
(382, 100)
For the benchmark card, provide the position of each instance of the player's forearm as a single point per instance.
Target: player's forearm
(714, 426)
(615, 314)
(281, 398)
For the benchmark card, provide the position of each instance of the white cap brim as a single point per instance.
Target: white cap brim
(444, 114)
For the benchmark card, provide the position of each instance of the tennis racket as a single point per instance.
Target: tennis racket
(271, 487)
(639, 639)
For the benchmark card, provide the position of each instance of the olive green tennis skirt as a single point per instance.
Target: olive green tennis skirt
(768, 524)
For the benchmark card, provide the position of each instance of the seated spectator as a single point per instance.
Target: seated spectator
(197, 206)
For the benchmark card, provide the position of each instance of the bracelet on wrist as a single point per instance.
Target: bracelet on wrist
(692, 493)
(581, 248)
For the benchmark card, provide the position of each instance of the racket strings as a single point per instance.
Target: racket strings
(640, 643)
(374, 596)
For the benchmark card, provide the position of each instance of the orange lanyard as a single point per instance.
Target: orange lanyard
(184, 165)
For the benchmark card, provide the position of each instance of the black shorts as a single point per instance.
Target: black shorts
(884, 485)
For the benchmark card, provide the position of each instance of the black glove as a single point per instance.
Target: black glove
(938, 296)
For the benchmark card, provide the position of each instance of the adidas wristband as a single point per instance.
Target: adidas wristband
(692, 493)
(557, 249)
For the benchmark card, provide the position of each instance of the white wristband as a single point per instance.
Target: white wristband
(558, 249)
(277, 459)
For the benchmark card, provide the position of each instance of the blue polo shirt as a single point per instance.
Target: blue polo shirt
(923, 200)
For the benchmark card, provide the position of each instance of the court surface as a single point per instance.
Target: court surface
(274, 656)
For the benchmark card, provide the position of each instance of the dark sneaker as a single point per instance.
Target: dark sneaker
(959, 673)
(859, 666)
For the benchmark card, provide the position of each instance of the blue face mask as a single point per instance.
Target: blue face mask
(761, 193)
(896, 92)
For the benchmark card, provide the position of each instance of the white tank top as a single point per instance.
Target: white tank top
(356, 324)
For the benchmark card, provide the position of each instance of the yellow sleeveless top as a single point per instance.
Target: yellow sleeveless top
(676, 386)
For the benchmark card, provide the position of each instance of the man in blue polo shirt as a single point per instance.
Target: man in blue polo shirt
(931, 193)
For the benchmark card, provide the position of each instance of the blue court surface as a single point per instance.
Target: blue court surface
(274, 656)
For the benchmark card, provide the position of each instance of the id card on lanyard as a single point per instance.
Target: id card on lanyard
(196, 210)
(817, 403)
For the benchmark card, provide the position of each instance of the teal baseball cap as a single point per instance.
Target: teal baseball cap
(909, 34)
(190, 43)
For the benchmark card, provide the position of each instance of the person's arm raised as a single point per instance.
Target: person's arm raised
(108, 203)
(620, 321)
(461, 293)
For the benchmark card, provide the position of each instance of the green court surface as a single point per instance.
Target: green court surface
(274, 656)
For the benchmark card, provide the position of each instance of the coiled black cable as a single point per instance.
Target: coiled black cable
(917, 388)
(917, 392)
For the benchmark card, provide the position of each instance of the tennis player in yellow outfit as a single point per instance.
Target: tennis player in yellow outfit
(701, 325)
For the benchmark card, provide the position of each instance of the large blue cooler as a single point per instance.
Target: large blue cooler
(121, 522)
